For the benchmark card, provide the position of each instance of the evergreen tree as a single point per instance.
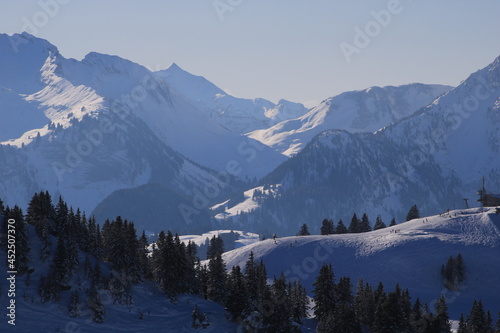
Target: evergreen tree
(199, 319)
(252, 281)
(416, 319)
(462, 326)
(344, 318)
(413, 213)
(476, 321)
(498, 324)
(215, 247)
(341, 228)
(324, 292)
(304, 231)
(74, 308)
(379, 224)
(442, 319)
(61, 217)
(389, 317)
(489, 323)
(95, 305)
(278, 320)
(299, 301)
(364, 303)
(142, 256)
(364, 225)
(454, 272)
(60, 267)
(460, 267)
(216, 288)
(327, 227)
(393, 222)
(237, 294)
(354, 227)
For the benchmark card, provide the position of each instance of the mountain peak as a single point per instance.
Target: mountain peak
(174, 67)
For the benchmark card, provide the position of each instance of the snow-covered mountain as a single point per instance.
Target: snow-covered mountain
(63, 89)
(355, 111)
(433, 158)
(412, 257)
(239, 115)
(85, 129)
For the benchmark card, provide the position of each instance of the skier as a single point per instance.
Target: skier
(274, 237)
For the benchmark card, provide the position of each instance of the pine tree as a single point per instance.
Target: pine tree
(389, 317)
(252, 281)
(61, 217)
(327, 227)
(344, 318)
(460, 267)
(354, 227)
(489, 323)
(379, 224)
(416, 319)
(279, 318)
(476, 321)
(364, 225)
(216, 288)
(442, 319)
(304, 231)
(74, 308)
(299, 301)
(341, 228)
(498, 324)
(237, 294)
(199, 319)
(413, 213)
(364, 303)
(215, 247)
(95, 305)
(462, 326)
(142, 256)
(324, 292)
(393, 222)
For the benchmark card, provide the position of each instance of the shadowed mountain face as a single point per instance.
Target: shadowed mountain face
(433, 158)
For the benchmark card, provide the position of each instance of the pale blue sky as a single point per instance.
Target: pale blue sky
(275, 49)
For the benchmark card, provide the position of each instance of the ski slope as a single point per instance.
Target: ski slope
(410, 254)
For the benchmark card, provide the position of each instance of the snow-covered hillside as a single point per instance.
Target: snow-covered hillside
(241, 238)
(250, 201)
(239, 115)
(410, 254)
(355, 111)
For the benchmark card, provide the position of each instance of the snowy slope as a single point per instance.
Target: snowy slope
(243, 237)
(412, 257)
(354, 111)
(239, 115)
(249, 202)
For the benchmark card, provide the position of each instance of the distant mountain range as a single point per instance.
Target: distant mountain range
(162, 147)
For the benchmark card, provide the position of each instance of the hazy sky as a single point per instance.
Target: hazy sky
(292, 49)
